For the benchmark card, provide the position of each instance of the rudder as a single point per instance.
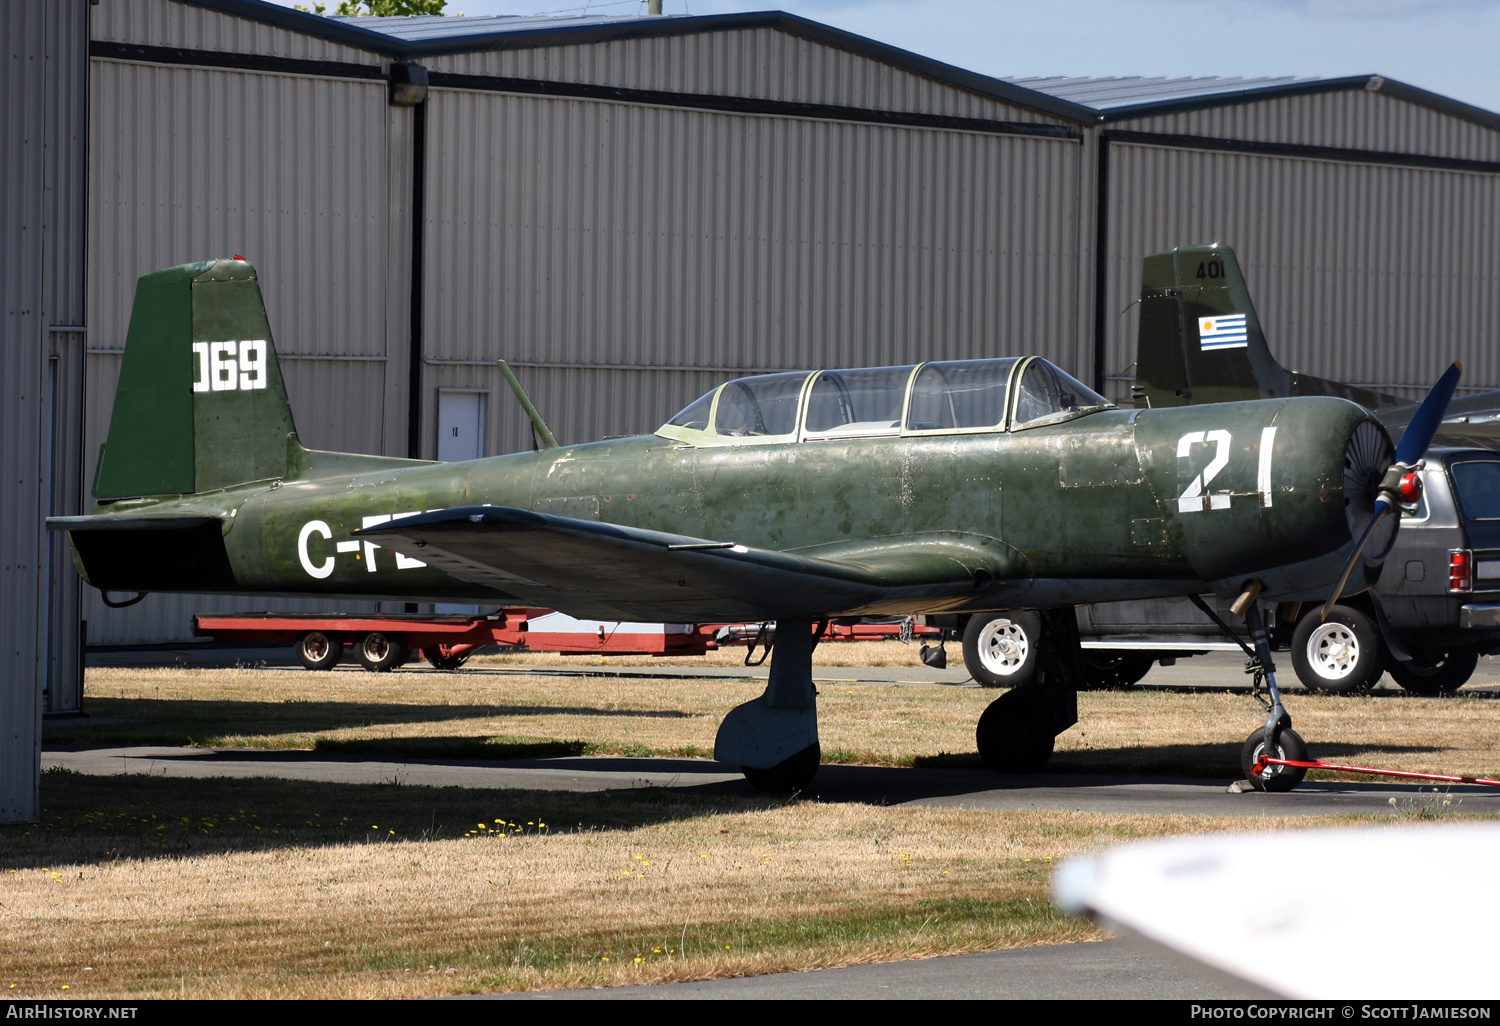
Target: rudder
(201, 404)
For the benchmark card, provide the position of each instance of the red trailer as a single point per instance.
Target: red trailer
(383, 641)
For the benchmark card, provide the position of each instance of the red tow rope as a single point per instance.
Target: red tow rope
(1265, 760)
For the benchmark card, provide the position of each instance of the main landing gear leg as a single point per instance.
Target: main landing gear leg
(1277, 738)
(774, 738)
(1017, 731)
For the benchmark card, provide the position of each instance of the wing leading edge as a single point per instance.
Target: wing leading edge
(608, 571)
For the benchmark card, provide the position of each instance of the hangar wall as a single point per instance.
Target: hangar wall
(1364, 119)
(43, 76)
(569, 235)
(759, 63)
(308, 176)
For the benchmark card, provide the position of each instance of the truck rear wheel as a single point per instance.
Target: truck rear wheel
(379, 652)
(319, 650)
(1000, 649)
(1341, 655)
(1109, 670)
(1443, 677)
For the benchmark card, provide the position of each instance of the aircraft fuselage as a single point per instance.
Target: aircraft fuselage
(1112, 504)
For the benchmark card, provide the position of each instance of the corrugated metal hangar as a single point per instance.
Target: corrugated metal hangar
(630, 209)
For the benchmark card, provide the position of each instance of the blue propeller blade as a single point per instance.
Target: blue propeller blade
(1414, 443)
(1424, 423)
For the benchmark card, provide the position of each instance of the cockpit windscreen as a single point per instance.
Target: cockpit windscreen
(1048, 394)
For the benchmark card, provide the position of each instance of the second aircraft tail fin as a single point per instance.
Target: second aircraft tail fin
(1200, 340)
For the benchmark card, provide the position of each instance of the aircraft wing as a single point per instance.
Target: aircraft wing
(608, 571)
(1314, 934)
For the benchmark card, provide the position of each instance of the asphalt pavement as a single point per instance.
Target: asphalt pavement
(950, 788)
(1109, 970)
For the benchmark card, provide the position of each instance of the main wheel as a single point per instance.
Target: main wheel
(1111, 670)
(1011, 736)
(1000, 649)
(1450, 672)
(788, 776)
(1289, 745)
(379, 652)
(319, 650)
(1340, 655)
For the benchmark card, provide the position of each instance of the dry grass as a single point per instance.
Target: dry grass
(140, 887)
(474, 713)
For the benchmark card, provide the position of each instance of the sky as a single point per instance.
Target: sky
(1448, 46)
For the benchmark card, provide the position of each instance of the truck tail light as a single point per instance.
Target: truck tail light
(1460, 570)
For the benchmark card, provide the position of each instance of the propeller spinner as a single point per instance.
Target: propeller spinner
(1400, 484)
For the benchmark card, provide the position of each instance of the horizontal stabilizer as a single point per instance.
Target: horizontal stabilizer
(610, 571)
(160, 552)
(135, 522)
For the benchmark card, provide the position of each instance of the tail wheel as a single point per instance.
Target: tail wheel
(1340, 655)
(1000, 649)
(319, 650)
(1289, 745)
(1441, 677)
(378, 652)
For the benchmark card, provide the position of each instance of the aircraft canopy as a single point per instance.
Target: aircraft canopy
(940, 396)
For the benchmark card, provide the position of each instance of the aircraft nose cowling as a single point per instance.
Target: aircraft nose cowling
(1275, 488)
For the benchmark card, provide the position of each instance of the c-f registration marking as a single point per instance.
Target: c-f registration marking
(1196, 496)
(324, 569)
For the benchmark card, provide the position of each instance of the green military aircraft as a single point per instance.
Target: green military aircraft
(1200, 341)
(945, 487)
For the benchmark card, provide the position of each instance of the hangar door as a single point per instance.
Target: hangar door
(289, 171)
(1361, 272)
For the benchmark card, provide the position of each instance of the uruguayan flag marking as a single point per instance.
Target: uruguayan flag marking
(1226, 332)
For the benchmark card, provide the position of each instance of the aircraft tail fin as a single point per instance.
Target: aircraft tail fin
(201, 404)
(1200, 340)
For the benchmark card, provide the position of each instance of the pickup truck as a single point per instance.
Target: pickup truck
(1433, 612)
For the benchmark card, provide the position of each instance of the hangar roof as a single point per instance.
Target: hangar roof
(1125, 91)
(1081, 100)
(1116, 98)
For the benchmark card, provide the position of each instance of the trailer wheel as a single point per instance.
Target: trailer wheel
(319, 650)
(434, 655)
(379, 652)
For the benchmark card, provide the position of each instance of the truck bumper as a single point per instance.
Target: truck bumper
(1487, 615)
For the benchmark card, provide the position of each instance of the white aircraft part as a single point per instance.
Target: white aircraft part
(1313, 914)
